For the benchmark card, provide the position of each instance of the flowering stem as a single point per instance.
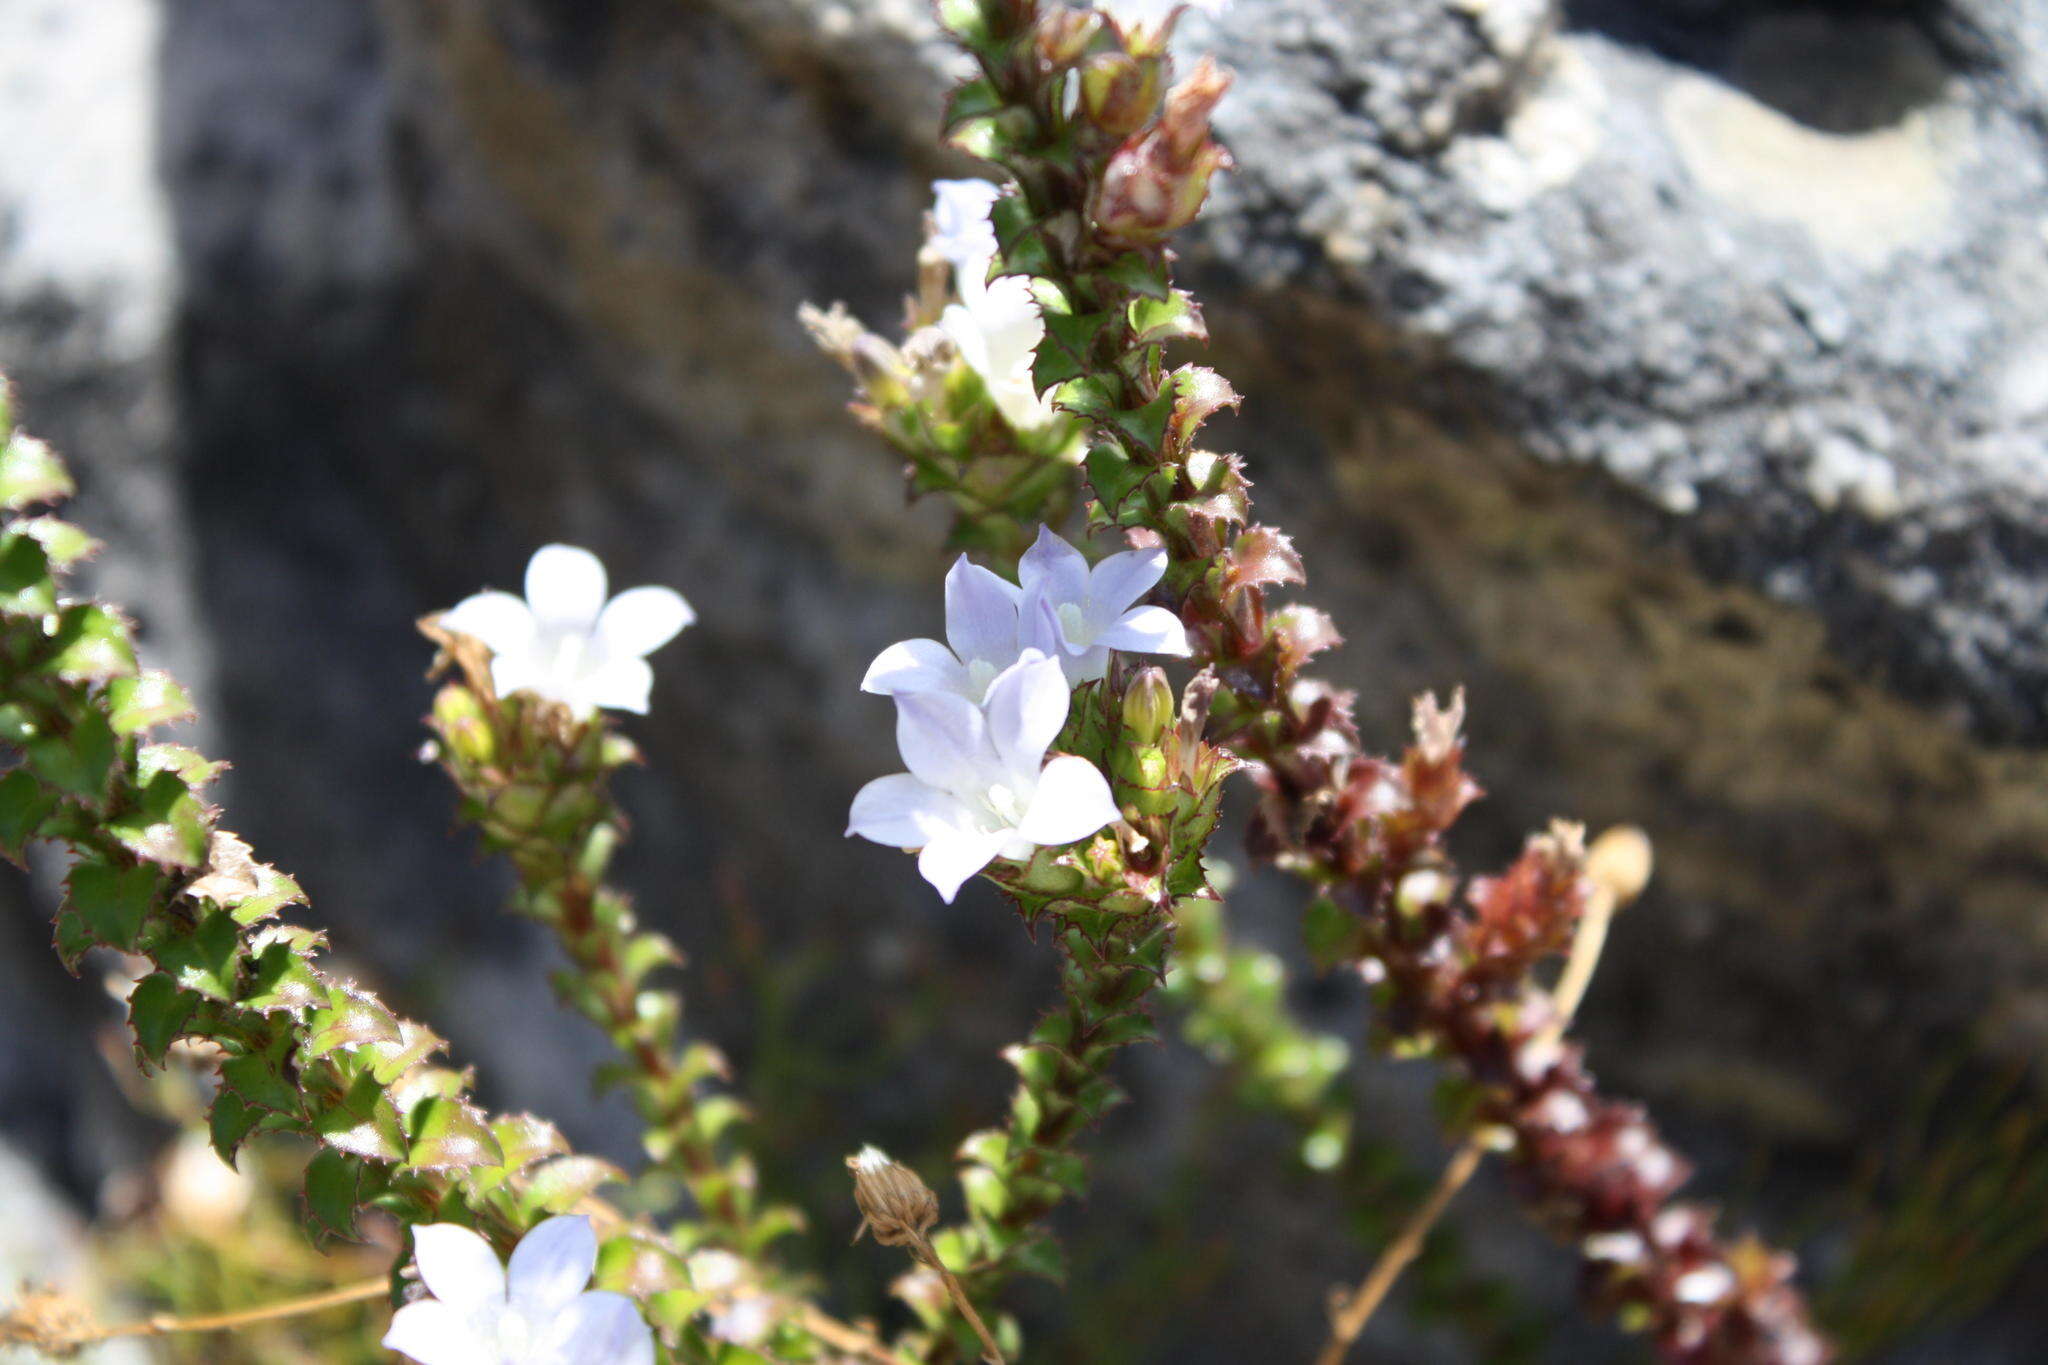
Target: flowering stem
(1588, 941)
(535, 782)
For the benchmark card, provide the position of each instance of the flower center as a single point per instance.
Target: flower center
(980, 673)
(1007, 805)
(1074, 625)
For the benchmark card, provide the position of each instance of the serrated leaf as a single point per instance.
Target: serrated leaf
(64, 543)
(77, 761)
(204, 958)
(112, 902)
(24, 806)
(1141, 274)
(350, 1018)
(525, 1139)
(229, 1123)
(71, 938)
(158, 1012)
(1174, 318)
(1113, 475)
(149, 699)
(166, 826)
(391, 1060)
(236, 882)
(195, 768)
(365, 1123)
(281, 979)
(334, 1191)
(565, 1182)
(449, 1135)
(30, 473)
(25, 585)
(259, 1079)
(91, 644)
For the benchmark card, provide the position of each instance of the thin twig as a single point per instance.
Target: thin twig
(926, 1254)
(164, 1324)
(841, 1336)
(1618, 865)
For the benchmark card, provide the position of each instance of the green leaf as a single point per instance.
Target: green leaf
(24, 805)
(1113, 475)
(145, 701)
(281, 979)
(259, 1081)
(30, 473)
(1141, 274)
(64, 543)
(166, 826)
(72, 939)
(1175, 318)
(92, 644)
(334, 1191)
(195, 768)
(25, 585)
(390, 1060)
(204, 958)
(977, 99)
(113, 902)
(965, 21)
(351, 1018)
(229, 1123)
(564, 1183)
(364, 1123)
(77, 761)
(448, 1135)
(525, 1139)
(158, 1012)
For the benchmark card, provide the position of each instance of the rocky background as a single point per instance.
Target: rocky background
(1671, 373)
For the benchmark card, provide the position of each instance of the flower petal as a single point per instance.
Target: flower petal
(949, 860)
(1089, 665)
(902, 812)
(641, 620)
(598, 1328)
(435, 1333)
(622, 685)
(499, 619)
(1122, 579)
(962, 233)
(1055, 569)
(1072, 802)
(458, 1266)
(551, 1265)
(565, 586)
(1027, 708)
(1147, 630)
(944, 741)
(981, 614)
(915, 666)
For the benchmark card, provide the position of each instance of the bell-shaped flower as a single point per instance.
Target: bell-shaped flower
(962, 232)
(536, 1312)
(979, 786)
(565, 642)
(1079, 614)
(981, 641)
(996, 327)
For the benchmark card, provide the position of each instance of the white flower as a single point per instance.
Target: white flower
(537, 1313)
(1080, 614)
(979, 786)
(996, 327)
(745, 1321)
(961, 231)
(981, 641)
(565, 642)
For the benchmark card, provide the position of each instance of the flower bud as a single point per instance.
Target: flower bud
(894, 1204)
(1120, 92)
(464, 727)
(1148, 706)
(1065, 34)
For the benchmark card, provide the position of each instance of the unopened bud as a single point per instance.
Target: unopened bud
(894, 1204)
(464, 726)
(1620, 863)
(1064, 35)
(1148, 706)
(1120, 92)
(1185, 124)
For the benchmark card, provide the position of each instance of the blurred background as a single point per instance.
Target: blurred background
(1671, 373)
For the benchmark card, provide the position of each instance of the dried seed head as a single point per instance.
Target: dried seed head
(47, 1322)
(1438, 728)
(895, 1205)
(1620, 862)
